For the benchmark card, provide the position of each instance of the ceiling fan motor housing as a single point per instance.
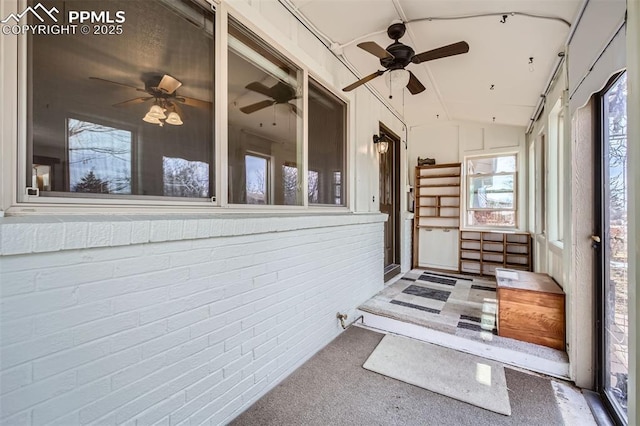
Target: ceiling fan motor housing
(402, 55)
(396, 31)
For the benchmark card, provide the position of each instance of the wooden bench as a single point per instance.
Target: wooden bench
(530, 308)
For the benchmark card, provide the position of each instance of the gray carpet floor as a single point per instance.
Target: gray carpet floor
(332, 388)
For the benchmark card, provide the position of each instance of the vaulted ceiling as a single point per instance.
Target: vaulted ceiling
(458, 87)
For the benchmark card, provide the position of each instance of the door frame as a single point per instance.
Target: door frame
(393, 269)
(599, 269)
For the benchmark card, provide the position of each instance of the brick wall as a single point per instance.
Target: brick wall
(171, 321)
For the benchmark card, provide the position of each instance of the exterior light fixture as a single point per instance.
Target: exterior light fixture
(381, 143)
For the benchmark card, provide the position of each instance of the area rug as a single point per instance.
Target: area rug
(452, 303)
(461, 376)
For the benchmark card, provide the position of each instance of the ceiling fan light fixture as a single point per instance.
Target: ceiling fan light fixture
(157, 112)
(397, 79)
(148, 118)
(174, 119)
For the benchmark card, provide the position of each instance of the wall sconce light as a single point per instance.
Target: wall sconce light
(381, 143)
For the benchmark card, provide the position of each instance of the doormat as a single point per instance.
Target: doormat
(461, 376)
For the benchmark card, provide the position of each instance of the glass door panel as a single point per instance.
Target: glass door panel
(615, 321)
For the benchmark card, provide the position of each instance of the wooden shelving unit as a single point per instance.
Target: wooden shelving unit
(437, 202)
(481, 252)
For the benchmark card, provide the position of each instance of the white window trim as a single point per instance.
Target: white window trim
(13, 183)
(516, 188)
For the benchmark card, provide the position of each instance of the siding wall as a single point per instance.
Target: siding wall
(171, 321)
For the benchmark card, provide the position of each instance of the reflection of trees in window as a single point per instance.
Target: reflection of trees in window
(617, 133)
(99, 158)
(314, 186)
(290, 181)
(256, 179)
(184, 178)
(491, 191)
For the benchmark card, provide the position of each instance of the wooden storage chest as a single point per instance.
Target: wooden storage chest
(531, 308)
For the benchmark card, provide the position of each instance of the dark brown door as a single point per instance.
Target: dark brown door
(389, 202)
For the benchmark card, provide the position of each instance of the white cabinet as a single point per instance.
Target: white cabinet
(438, 248)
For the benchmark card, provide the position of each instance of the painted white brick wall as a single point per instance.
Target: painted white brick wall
(183, 332)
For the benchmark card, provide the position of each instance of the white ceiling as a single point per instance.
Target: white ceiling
(458, 88)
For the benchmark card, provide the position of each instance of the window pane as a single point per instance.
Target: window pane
(491, 192)
(184, 178)
(91, 98)
(492, 165)
(99, 158)
(327, 144)
(491, 218)
(258, 179)
(265, 117)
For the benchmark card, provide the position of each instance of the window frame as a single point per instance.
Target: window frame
(515, 209)
(18, 199)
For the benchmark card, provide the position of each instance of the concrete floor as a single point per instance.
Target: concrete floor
(332, 388)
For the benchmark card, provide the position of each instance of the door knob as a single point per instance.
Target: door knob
(595, 241)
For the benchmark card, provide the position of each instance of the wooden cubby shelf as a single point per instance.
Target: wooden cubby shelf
(481, 252)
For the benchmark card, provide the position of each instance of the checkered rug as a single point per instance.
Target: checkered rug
(452, 303)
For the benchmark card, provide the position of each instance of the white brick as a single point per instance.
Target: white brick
(121, 233)
(18, 353)
(104, 327)
(49, 237)
(162, 310)
(192, 257)
(164, 343)
(226, 411)
(75, 235)
(15, 378)
(250, 344)
(185, 319)
(190, 229)
(21, 419)
(64, 319)
(28, 396)
(14, 283)
(17, 238)
(159, 230)
(68, 359)
(203, 386)
(190, 348)
(16, 331)
(238, 339)
(160, 411)
(129, 375)
(99, 234)
(134, 266)
(140, 232)
(175, 229)
(138, 335)
(108, 365)
(70, 401)
(139, 300)
(204, 298)
(164, 278)
(183, 413)
(36, 303)
(224, 359)
(220, 334)
(103, 290)
(237, 365)
(203, 228)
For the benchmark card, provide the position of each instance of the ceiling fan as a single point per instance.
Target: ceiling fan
(397, 56)
(280, 93)
(162, 89)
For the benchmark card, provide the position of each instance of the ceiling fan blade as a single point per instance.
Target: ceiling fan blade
(375, 49)
(249, 109)
(441, 52)
(169, 84)
(193, 102)
(414, 85)
(363, 81)
(130, 102)
(115, 82)
(260, 88)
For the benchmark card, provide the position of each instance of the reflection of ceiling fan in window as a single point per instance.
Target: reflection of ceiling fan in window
(280, 93)
(162, 90)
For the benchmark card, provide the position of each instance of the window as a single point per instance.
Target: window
(265, 115)
(491, 191)
(124, 115)
(257, 178)
(327, 143)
